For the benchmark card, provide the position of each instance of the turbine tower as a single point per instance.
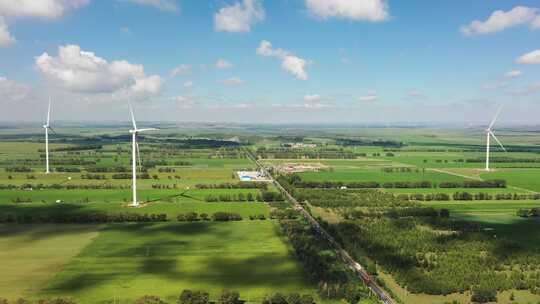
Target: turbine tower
(489, 134)
(47, 127)
(135, 155)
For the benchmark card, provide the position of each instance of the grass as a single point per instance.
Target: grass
(128, 261)
(32, 254)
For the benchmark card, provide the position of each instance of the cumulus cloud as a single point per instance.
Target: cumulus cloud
(536, 23)
(531, 89)
(415, 93)
(494, 86)
(371, 96)
(6, 39)
(12, 91)
(125, 30)
(513, 74)
(166, 5)
(223, 64)
(43, 8)
(290, 63)
(77, 70)
(48, 9)
(239, 17)
(312, 97)
(182, 69)
(188, 84)
(184, 102)
(368, 10)
(233, 81)
(501, 20)
(530, 58)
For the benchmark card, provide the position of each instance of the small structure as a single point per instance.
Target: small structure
(305, 167)
(252, 176)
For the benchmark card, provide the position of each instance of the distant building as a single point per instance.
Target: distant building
(252, 176)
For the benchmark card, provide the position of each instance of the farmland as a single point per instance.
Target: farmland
(409, 208)
(436, 188)
(199, 228)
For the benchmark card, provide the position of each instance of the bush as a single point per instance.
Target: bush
(147, 299)
(226, 216)
(57, 301)
(193, 297)
(229, 297)
(484, 294)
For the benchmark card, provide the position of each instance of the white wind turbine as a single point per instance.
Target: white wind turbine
(47, 127)
(489, 134)
(135, 155)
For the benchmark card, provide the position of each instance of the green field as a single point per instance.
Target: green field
(127, 261)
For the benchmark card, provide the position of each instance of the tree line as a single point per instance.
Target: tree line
(297, 182)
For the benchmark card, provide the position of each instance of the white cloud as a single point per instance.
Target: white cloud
(77, 70)
(125, 29)
(536, 23)
(49, 9)
(184, 102)
(415, 93)
(501, 20)
(312, 97)
(239, 17)
(513, 74)
(12, 91)
(290, 63)
(39, 8)
(151, 84)
(182, 69)
(530, 58)
(223, 64)
(371, 96)
(166, 5)
(233, 81)
(493, 86)
(5, 36)
(526, 91)
(188, 84)
(368, 10)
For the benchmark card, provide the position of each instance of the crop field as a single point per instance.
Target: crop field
(126, 261)
(392, 205)
(411, 208)
(179, 244)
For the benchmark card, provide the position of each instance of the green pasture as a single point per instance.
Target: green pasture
(127, 261)
(32, 254)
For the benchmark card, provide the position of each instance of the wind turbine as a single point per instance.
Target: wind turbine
(489, 134)
(135, 155)
(47, 127)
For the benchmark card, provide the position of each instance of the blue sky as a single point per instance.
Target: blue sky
(347, 60)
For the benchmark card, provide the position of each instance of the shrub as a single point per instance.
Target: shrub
(229, 297)
(193, 297)
(148, 299)
(484, 294)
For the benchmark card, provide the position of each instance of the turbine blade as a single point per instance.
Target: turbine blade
(497, 140)
(495, 117)
(146, 129)
(132, 116)
(49, 112)
(52, 130)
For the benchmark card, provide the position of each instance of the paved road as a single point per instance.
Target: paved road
(342, 253)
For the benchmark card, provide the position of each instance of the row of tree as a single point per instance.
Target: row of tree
(82, 218)
(238, 185)
(466, 196)
(217, 217)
